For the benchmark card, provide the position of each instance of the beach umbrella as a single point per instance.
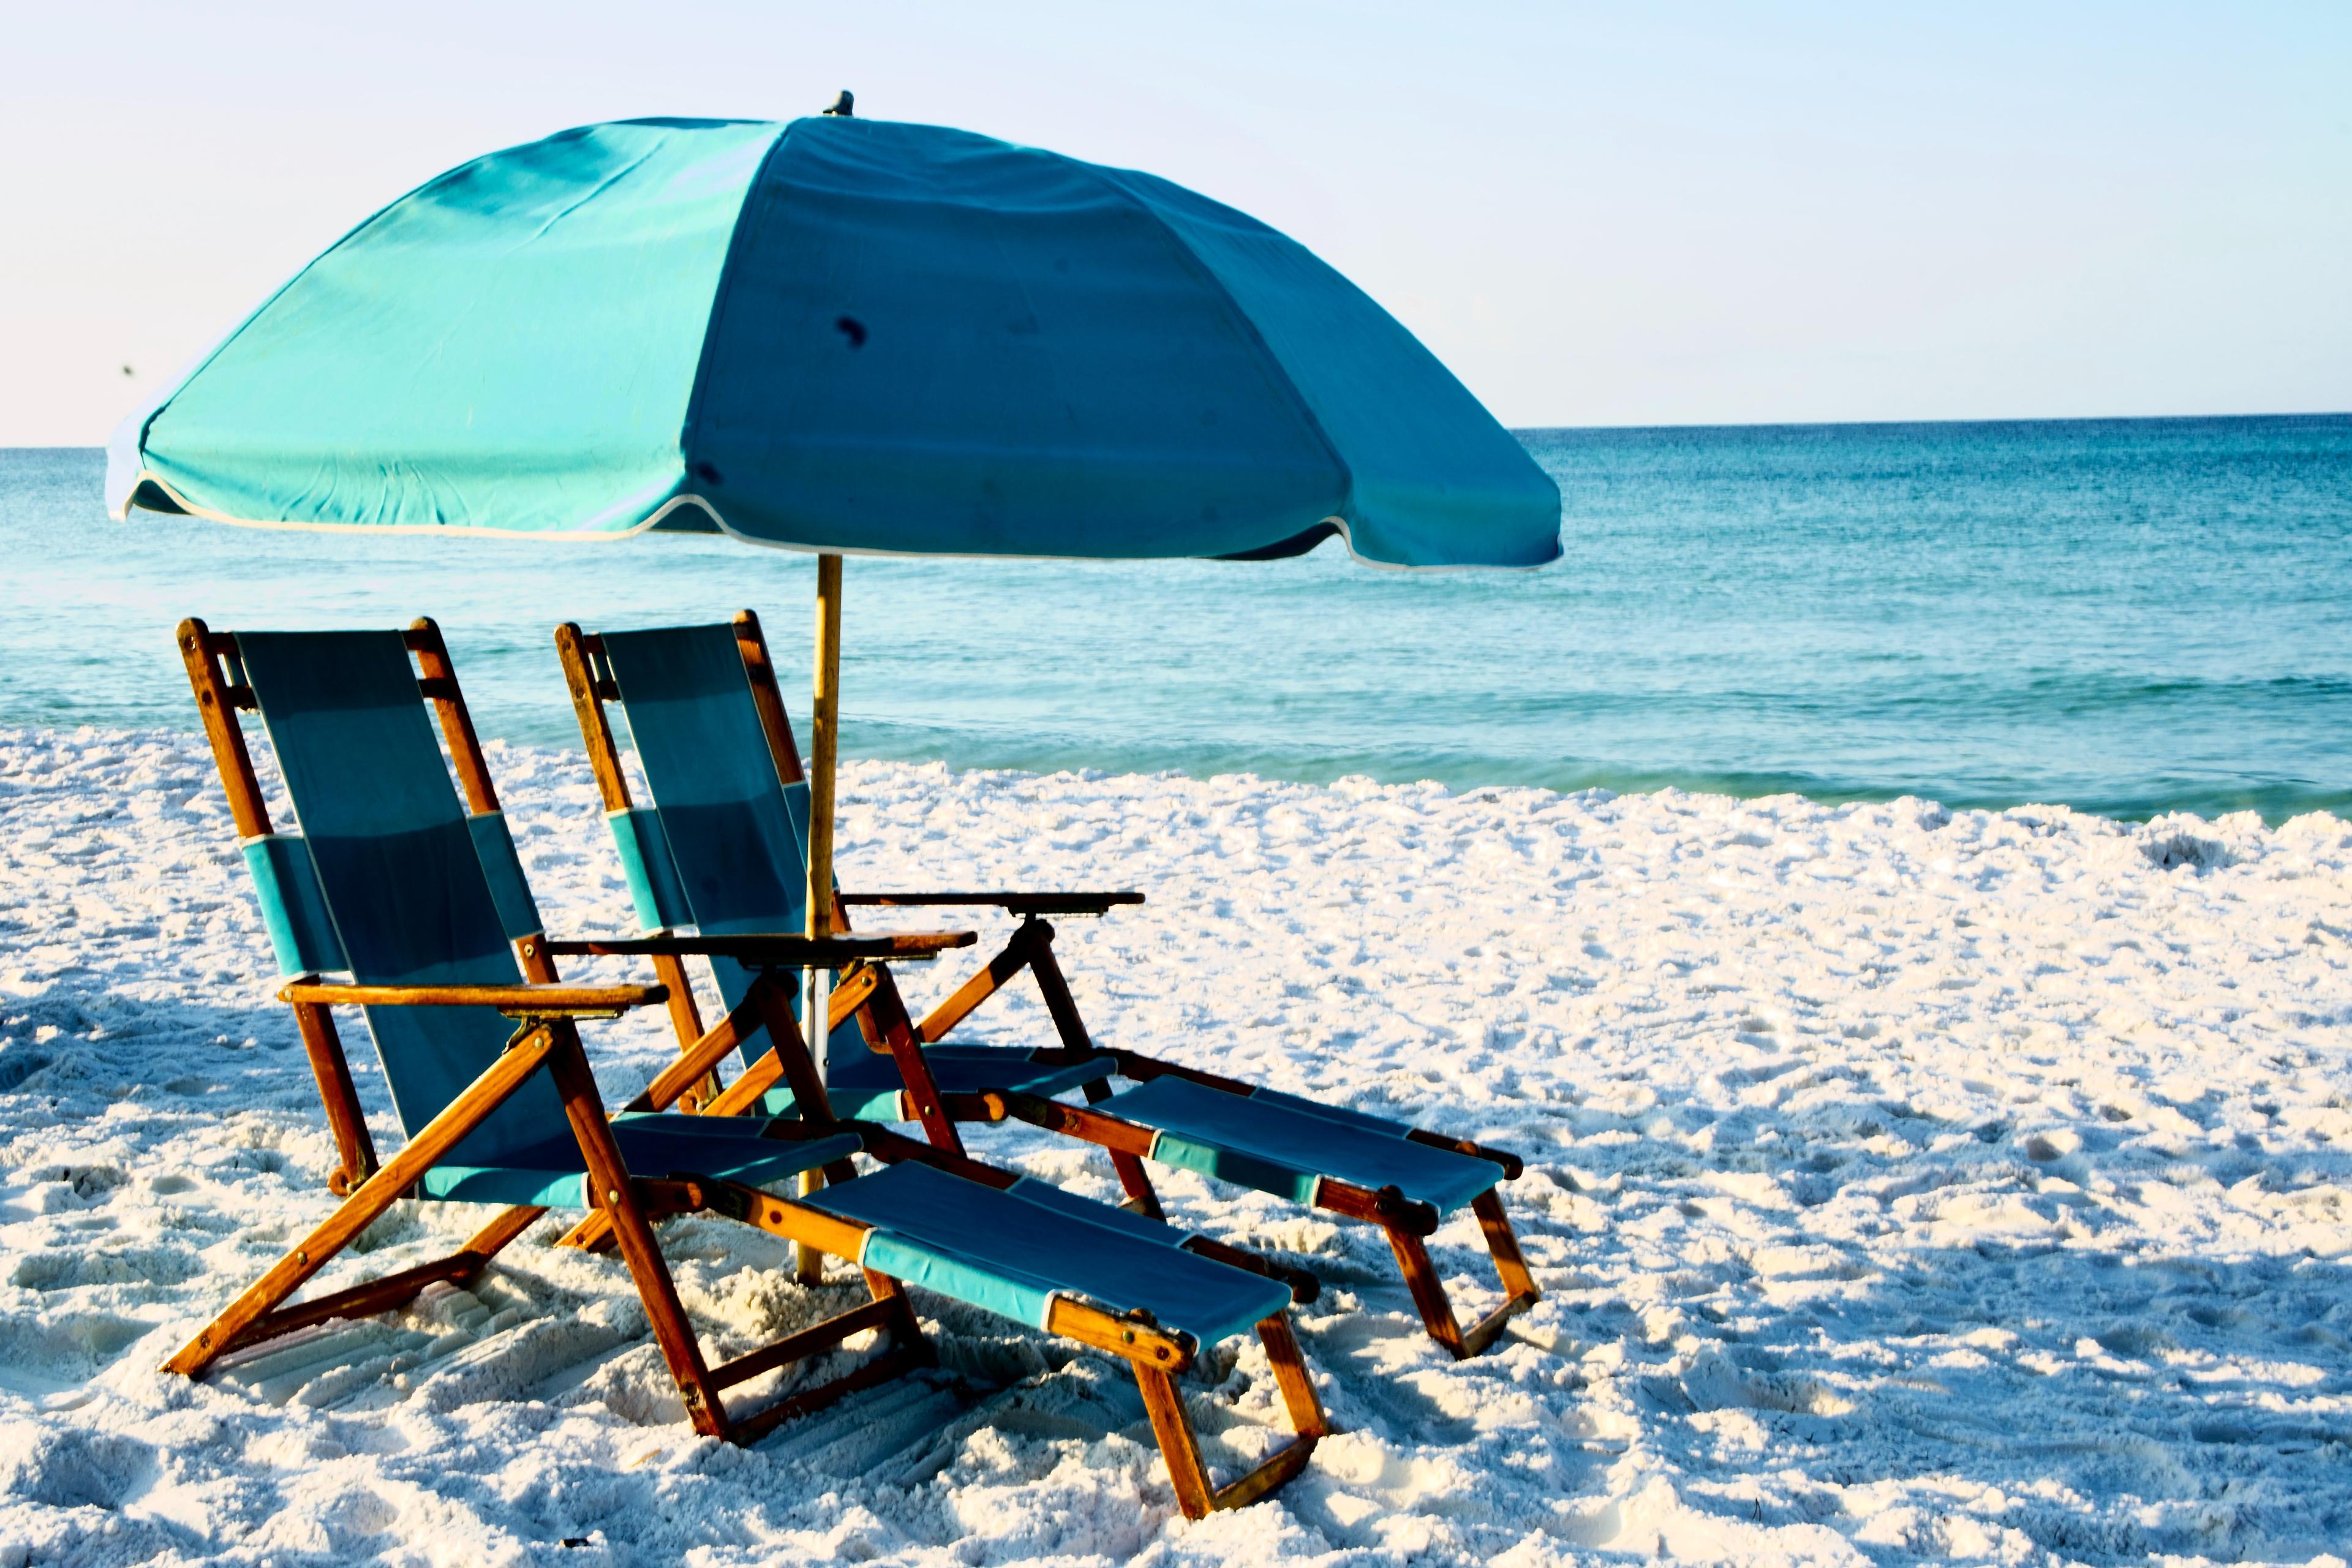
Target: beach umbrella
(840, 336)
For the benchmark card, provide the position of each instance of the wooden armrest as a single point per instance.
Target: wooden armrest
(514, 1000)
(762, 951)
(1089, 903)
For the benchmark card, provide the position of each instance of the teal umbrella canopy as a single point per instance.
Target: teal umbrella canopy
(837, 335)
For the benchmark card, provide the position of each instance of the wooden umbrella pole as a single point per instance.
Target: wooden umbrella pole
(828, 721)
(827, 749)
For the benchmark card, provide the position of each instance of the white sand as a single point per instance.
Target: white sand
(1908, 1184)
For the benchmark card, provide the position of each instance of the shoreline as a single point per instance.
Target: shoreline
(1763, 788)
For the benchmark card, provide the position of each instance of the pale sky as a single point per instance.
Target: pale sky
(1594, 214)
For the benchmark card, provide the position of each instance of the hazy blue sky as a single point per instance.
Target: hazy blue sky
(1622, 215)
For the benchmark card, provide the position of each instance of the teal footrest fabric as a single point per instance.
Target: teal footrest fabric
(1284, 1145)
(1011, 1251)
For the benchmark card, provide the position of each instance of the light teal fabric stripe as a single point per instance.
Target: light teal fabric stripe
(1010, 1251)
(1279, 1144)
(736, 832)
(512, 346)
(652, 874)
(510, 888)
(398, 867)
(300, 931)
(506, 1185)
(935, 1268)
(1236, 1165)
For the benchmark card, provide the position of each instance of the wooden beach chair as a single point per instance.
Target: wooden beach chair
(423, 904)
(721, 846)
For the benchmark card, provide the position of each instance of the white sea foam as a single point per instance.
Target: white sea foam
(1906, 1184)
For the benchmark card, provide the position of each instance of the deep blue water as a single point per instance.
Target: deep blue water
(2128, 615)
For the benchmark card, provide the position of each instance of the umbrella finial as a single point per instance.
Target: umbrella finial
(845, 105)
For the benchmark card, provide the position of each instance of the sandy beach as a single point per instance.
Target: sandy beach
(1907, 1183)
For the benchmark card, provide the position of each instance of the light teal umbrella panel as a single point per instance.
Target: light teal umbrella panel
(838, 335)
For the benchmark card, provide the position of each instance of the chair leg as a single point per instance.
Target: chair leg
(1428, 1291)
(1519, 1290)
(1189, 1475)
(341, 1100)
(608, 1177)
(1133, 1179)
(375, 1195)
(888, 1310)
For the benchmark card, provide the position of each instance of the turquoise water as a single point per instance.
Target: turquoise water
(2129, 617)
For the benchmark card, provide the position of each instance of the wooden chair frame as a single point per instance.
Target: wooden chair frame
(546, 1011)
(870, 994)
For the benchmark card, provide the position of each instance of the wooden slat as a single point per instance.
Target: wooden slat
(1143, 1069)
(791, 1052)
(1094, 1126)
(1512, 1165)
(777, 952)
(1504, 1243)
(1010, 962)
(1018, 903)
(1303, 1286)
(1178, 1446)
(808, 1342)
(1519, 1290)
(201, 650)
(1291, 1376)
(892, 1147)
(1387, 1207)
(886, 1015)
(684, 1017)
(893, 1363)
(380, 1296)
(752, 643)
(851, 988)
(609, 1183)
(757, 1079)
(695, 1062)
(377, 1193)
(1148, 1346)
(792, 1221)
(1133, 1179)
(1428, 1292)
(1278, 1470)
(571, 645)
(516, 1001)
(1059, 1004)
(439, 686)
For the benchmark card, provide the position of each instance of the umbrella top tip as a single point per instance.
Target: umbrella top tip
(845, 105)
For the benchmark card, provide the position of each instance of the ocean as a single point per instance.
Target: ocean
(2127, 617)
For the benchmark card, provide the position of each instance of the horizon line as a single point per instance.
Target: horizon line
(1711, 425)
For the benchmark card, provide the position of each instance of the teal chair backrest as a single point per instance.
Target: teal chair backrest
(724, 845)
(410, 887)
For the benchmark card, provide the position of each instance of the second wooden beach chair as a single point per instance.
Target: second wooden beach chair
(392, 880)
(721, 846)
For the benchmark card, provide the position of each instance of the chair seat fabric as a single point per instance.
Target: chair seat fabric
(1011, 1251)
(1284, 1145)
(724, 1148)
(864, 1085)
